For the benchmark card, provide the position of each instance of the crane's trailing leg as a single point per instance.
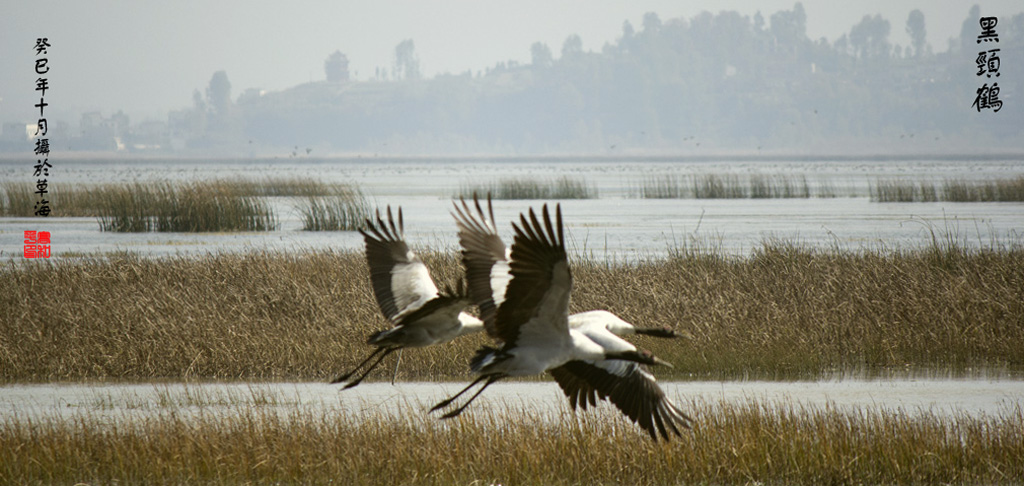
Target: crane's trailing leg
(454, 413)
(360, 365)
(395, 375)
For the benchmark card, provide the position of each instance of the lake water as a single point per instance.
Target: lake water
(912, 396)
(616, 226)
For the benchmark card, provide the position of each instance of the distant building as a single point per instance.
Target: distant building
(336, 67)
(98, 133)
(16, 132)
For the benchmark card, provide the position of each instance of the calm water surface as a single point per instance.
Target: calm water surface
(936, 396)
(615, 226)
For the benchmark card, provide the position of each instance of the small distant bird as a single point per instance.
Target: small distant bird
(532, 322)
(408, 297)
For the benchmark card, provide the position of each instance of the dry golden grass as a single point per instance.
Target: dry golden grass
(249, 316)
(788, 312)
(782, 312)
(750, 443)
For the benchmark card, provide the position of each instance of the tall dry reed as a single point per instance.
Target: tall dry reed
(183, 207)
(782, 312)
(751, 443)
(343, 208)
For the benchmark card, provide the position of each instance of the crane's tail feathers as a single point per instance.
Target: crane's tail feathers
(484, 357)
(379, 336)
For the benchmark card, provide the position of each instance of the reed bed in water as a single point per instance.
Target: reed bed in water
(781, 312)
(729, 186)
(334, 213)
(998, 190)
(953, 190)
(531, 188)
(337, 207)
(66, 200)
(218, 205)
(746, 443)
(183, 207)
(17, 199)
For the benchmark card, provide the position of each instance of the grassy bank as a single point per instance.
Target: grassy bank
(781, 312)
(751, 443)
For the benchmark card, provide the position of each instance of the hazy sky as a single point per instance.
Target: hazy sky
(148, 57)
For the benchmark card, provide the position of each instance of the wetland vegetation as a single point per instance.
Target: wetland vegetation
(197, 206)
(564, 187)
(769, 442)
(781, 312)
(952, 190)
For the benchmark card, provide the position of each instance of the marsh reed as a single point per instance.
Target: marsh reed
(901, 190)
(221, 205)
(182, 207)
(953, 190)
(782, 312)
(333, 213)
(336, 208)
(564, 187)
(66, 200)
(728, 186)
(998, 190)
(17, 199)
(196, 206)
(745, 443)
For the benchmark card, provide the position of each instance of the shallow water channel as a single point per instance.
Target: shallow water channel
(941, 397)
(616, 225)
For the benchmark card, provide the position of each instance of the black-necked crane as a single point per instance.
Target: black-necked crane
(407, 296)
(486, 259)
(532, 322)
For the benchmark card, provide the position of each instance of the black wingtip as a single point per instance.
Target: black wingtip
(660, 332)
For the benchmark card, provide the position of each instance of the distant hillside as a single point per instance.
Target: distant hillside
(713, 82)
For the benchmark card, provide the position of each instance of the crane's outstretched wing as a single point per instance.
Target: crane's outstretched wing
(629, 387)
(536, 303)
(401, 282)
(485, 258)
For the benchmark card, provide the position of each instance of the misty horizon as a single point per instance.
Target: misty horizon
(139, 102)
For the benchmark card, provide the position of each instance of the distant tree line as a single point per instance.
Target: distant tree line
(725, 80)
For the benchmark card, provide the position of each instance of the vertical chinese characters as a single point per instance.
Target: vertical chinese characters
(42, 148)
(987, 97)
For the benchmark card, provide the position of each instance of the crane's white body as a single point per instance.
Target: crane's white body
(523, 294)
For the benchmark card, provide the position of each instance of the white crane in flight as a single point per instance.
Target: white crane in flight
(530, 318)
